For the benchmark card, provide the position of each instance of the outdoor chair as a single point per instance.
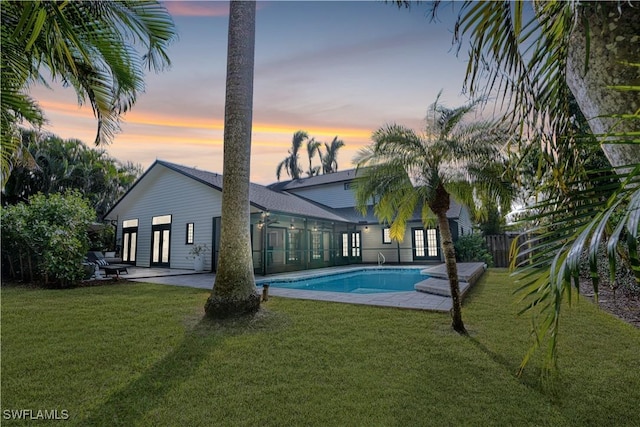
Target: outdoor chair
(97, 258)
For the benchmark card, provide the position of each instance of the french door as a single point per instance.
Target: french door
(129, 241)
(160, 241)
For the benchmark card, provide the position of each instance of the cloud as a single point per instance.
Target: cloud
(348, 53)
(197, 8)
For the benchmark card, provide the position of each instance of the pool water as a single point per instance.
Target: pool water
(357, 282)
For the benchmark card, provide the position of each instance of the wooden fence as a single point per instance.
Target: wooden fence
(500, 245)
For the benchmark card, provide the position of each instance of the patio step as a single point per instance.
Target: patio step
(437, 286)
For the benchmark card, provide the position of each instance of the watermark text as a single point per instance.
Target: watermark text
(35, 414)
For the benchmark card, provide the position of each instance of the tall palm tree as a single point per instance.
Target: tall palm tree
(313, 147)
(291, 163)
(330, 157)
(234, 291)
(403, 171)
(89, 45)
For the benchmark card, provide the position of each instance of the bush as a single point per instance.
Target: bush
(473, 248)
(46, 240)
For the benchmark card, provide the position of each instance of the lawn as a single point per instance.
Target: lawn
(139, 354)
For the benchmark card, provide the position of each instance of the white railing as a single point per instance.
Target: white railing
(381, 259)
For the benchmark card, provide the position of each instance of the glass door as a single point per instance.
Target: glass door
(160, 241)
(129, 241)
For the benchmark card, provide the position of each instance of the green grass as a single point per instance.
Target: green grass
(139, 354)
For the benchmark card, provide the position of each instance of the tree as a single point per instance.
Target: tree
(291, 163)
(234, 291)
(564, 50)
(63, 165)
(403, 171)
(89, 45)
(586, 50)
(330, 157)
(313, 147)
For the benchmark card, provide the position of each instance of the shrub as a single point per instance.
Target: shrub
(46, 239)
(473, 247)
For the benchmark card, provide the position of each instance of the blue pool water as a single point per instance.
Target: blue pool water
(358, 282)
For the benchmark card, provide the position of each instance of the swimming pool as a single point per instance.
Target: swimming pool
(365, 281)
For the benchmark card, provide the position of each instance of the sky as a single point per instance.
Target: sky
(330, 68)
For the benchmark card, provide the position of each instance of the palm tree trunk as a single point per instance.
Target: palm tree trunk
(612, 26)
(446, 242)
(234, 291)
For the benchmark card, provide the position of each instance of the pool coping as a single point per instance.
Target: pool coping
(404, 299)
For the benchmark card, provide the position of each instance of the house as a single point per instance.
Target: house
(295, 225)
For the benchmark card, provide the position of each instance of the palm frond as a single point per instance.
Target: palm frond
(569, 227)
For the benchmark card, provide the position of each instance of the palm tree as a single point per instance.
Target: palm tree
(234, 291)
(69, 164)
(568, 49)
(291, 163)
(89, 45)
(560, 52)
(330, 157)
(313, 147)
(403, 171)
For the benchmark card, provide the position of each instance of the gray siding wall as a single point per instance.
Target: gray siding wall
(332, 195)
(372, 245)
(465, 225)
(165, 192)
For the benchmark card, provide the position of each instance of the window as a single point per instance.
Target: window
(418, 236)
(351, 244)
(432, 242)
(345, 244)
(355, 245)
(190, 232)
(348, 186)
(425, 243)
(316, 245)
(386, 235)
(128, 223)
(164, 219)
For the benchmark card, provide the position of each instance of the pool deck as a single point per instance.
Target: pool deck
(408, 300)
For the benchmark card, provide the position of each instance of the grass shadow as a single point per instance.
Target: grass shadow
(130, 404)
(546, 383)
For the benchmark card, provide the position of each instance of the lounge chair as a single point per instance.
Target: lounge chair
(97, 258)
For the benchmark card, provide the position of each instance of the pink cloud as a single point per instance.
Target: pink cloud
(197, 8)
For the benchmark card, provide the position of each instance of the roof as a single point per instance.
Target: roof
(275, 198)
(353, 215)
(330, 178)
(259, 196)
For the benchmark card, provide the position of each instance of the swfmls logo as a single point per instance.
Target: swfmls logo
(39, 414)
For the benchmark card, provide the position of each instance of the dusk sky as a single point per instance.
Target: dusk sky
(330, 68)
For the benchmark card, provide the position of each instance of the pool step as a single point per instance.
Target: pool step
(441, 287)
(467, 271)
(438, 281)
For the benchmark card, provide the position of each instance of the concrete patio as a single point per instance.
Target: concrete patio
(409, 300)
